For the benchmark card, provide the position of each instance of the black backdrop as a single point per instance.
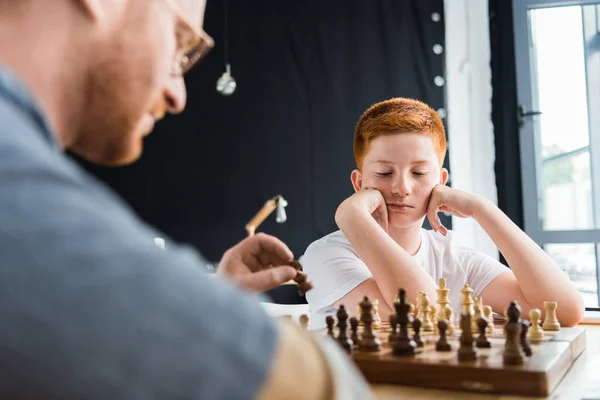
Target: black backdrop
(305, 71)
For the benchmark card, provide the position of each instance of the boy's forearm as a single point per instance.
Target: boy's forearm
(539, 277)
(392, 267)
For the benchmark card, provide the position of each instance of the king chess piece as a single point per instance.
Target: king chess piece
(369, 342)
(405, 345)
(466, 351)
(342, 339)
(512, 350)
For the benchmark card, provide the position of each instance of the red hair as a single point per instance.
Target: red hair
(396, 116)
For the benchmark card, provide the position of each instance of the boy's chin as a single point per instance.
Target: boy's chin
(404, 221)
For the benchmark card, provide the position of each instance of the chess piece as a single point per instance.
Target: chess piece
(411, 309)
(423, 312)
(304, 285)
(404, 345)
(443, 344)
(477, 313)
(376, 317)
(523, 338)
(393, 336)
(330, 321)
(487, 314)
(354, 328)
(551, 322)
(482, 340)
(417, 327)
(444, 302)
(342, 339)
(433, 318)
(512, 351)
(466, 351)
(304, 321)
(466, 301)
(536, 333)
(369, 342)
(449, 317)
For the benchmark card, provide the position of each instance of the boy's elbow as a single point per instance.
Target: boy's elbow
(574, 312)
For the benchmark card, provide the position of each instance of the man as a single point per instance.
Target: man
(90, 308)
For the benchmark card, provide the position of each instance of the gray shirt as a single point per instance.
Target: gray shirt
(89, 307)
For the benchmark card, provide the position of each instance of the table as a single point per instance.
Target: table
(581, 382)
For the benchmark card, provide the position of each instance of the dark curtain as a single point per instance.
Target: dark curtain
(504, 111)
(306, 70)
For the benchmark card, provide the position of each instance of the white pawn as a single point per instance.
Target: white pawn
(477, 312)
(432, 317)
(375, 312)
(535, 331)
(551, 322)
(448, 315)
(423, 312)
(487, 313)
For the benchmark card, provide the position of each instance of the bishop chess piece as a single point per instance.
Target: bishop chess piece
(354, 328)
(417, 328)
(466, 351)
(512, 350)
(342, 339)
(405, 345)
(482, 340)
(369, 342)
(442, 343)
(393, 336)
(330, 321)
(523, 338)
(551, 322)
(536, 333)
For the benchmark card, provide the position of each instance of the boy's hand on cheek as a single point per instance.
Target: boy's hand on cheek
(453, 201)
(368, 200)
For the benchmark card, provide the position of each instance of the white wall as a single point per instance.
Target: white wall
(469, 110)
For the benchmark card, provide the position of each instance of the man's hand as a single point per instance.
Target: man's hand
(447, 199)
(258, 263)
(370, 200)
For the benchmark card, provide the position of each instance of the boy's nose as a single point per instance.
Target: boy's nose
(175, 95)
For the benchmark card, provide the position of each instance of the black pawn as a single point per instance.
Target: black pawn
(466, 351)
(443, 344)
(482, 341)
(417, 327)
(512, 351)
(524, 344)
(330, 322)
(393, 336)
(405, 345)
(354, 327)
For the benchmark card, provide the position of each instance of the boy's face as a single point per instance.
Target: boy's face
(405, 169)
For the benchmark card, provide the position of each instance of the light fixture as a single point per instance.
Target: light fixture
(226, 84)
(277, 202)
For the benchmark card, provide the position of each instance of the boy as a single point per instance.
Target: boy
(399, 149)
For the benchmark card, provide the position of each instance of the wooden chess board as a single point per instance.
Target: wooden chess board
(538, 376)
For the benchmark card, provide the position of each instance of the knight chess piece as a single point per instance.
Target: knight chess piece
(442, 343)
(369, 342)
(523, 338)
(342, 339)
(417, 328)
(482, 341)
(466, 351)
(405, 345)
(512, 350)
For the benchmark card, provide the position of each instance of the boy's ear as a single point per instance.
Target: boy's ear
(443, 176)
(356, 179)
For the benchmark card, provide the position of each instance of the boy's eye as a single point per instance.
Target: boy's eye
(419, 173)
(383, 174)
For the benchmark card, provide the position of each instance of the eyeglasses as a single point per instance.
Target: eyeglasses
(192, 42)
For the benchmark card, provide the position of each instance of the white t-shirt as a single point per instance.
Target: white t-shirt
(335, 269)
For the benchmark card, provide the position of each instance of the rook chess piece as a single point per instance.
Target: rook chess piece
(342, 339)
(404, 345)
(466, 351)
(482, 340)
(369, 342)
(512, 329)
(523, 338)
(304, 321)
(551, 322)
(330, 321)
(443, 344)
(354, 327)
(394, 333)
(536, 333)
(417, 327)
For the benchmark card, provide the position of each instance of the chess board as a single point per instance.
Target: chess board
(538, 376)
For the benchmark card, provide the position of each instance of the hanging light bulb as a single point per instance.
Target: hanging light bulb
(281, 215)
(226, 83)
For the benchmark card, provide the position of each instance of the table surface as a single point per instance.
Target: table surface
(582, 381)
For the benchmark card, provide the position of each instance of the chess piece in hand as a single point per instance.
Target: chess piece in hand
(258, 263)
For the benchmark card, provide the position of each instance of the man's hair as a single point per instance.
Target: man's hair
(396, 116)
